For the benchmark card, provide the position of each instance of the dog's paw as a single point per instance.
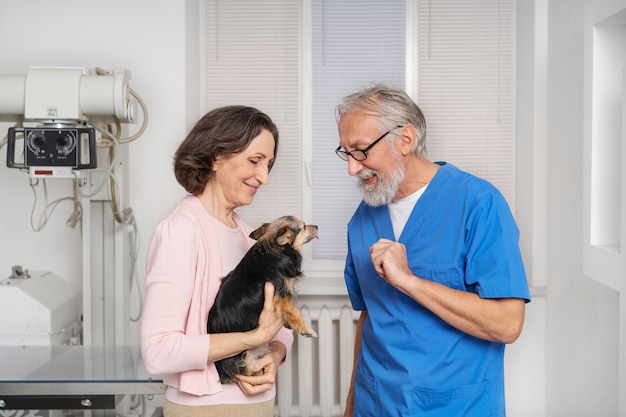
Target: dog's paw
(309, 333)
(251, 358)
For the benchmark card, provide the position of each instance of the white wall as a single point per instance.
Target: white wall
(147, 37)
(582, 315)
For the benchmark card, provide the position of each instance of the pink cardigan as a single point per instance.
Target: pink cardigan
(182, 278)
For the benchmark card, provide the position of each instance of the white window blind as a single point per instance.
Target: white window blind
(355, 43)
(465, 85)
(253, 58)
(464, 79)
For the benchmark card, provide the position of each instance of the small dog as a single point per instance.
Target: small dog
(276, 257)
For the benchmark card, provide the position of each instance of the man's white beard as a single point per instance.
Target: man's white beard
(385, 190)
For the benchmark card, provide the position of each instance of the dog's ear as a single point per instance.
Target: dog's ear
(256, 234)
(286, 236)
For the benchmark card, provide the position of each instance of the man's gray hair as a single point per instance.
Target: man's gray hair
(392, 106)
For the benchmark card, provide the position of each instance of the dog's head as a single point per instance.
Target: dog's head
(286, 231)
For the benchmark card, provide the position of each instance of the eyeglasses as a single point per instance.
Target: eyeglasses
(360, 154)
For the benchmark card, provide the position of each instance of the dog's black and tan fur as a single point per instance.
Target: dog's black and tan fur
(277, 257)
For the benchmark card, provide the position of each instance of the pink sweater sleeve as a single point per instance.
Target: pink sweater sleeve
(174, 340)
(172, 279)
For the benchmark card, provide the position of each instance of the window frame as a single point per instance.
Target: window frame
(326, 275)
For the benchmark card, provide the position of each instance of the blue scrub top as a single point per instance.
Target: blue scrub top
(461, 234)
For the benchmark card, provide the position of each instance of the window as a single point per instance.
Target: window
(295, 60)
(353, 46)
(465, 86)
(252, 57)
(604, 228)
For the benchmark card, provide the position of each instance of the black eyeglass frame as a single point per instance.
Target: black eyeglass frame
(343, 154)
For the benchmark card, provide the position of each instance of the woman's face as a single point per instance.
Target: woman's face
(240, 175)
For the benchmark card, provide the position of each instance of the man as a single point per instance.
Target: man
(433, 265)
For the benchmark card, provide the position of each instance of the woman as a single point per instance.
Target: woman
(222, 163)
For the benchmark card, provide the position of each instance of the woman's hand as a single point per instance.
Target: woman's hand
(270, 320)
(268, 365)
(270, 323)
(225, 345)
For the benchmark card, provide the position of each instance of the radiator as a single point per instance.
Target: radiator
(315, 379)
